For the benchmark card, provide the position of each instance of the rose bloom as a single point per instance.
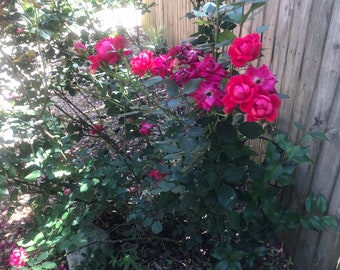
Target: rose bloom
(161, 66)
(109, 50)
(18, 257)
(239, 90)
(141, 63)
(19, 30)
(263, 106)
(95, 62)
(262, 77)
(209, 69)
(156, 175)
(67, 191)
(183, 75)
(146, 128)
(79, 47)
(207, 95)
(96, 128)
(62, 267)
(245, 49)
(185, 54)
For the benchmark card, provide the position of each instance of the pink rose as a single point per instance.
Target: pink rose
(19, 31)
(185, 54)
(161, 66)
(67, 191)
(146, 128)
(95, 63)
(262, 77)
(18, 257)
(239, 90)
(141, 63)
(96, 129)
(109, 50)
(263, 106)
(80, 48)
(156, 175)
(209, 69)
(207, 95)
(245, 49)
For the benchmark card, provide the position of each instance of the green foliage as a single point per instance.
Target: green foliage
(214, 184)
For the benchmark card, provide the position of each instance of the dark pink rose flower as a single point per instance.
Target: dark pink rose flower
(210, 70)
(109, 50)
(141, 63)
(146, 128)
(62, 267)
(19, 31)
(80, 48)
(161, 66)
(95, 63)
(183, 75)
(185, 54)
(207, 95)
(96, 129)
(262, 77)
(67, 191)
(18, 257)
(156, 175)
(239, 90)
(245, 49)
(263, 106)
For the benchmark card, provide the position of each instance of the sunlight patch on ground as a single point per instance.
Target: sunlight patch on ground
(22, 211)
(127, 17)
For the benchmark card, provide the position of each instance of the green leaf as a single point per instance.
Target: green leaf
(251, 130)
(235, 14)
(330, 222)
(227, 132)
(319, 135)
(299, 125)
(222, 265)
(173, 103)
(309, 203)
(191, 86)
(84, 187)
(171, 88)
(226, 35)
(49, 265)
(233, 175)
(33, 175)
(321, 204)
(196, 131)
(157, 227)
(211, 178)
(153, 81)
(316, 224)
(170, 148)
(39, 238)
(43, 256)
(188, 144)
(226, 196)
(148, 221)
(4, 190)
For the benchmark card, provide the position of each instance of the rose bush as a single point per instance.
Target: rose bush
(166, 158)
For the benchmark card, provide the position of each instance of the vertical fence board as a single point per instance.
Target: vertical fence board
(302, 47)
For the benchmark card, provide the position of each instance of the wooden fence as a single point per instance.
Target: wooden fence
(169, 15)
(302, 47)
